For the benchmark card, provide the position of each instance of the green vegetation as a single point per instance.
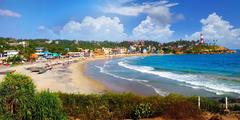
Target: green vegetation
(64, 46)
(14, 59)
(19, 100)
(127, 105)
(48, 105)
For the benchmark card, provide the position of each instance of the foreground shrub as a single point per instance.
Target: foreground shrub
(179, 107)
(142, 111)
(207, 104)
(48, 106)
(126, 106)
(114, 105)
(18, 101)
(17, 94)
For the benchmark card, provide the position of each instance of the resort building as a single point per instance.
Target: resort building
(39, 50)
(9, 53)
(107, 51)
(75, 54)
(98, 52)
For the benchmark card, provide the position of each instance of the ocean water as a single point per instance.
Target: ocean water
(205, 75)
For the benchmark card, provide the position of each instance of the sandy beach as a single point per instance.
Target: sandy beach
(65, 78)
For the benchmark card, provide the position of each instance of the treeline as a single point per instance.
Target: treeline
(20, 100)
(63, 46)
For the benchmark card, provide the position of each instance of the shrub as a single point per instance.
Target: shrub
(15, 59)
(48, 106)
(18, 101)
(179, 107)
(210, 105)
(142, 111)
(182, 110)
(17, 97)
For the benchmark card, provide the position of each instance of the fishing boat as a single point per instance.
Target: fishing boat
(42, 70)
(7, 72)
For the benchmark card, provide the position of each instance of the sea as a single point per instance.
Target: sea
(209, 75)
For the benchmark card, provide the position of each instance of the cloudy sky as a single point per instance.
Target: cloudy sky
(117, 20)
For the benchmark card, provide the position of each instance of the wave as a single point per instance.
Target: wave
(143, 82)
(211, 85)
(116, 76)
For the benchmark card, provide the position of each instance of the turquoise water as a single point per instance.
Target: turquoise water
(206, 75)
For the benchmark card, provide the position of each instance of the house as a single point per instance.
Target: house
(23, 43)
(75, 54)
(107, 51)
(10, 53)
(132, 49)
(49, 41)
(98, 52)
(123, 50)
(39, 50)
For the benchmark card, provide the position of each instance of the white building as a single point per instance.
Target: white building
(10, 53)
(107, 51)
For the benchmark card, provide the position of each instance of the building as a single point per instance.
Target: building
(98, 52)
(39, 49)
(107, 51)
(76, 54)
(123, 50)
(201, 39)
(9, 53)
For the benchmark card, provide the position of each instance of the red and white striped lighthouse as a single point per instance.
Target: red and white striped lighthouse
(201, 39)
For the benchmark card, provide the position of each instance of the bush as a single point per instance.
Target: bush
(142, 111)
(179, 107)
(15, 59)
(17, 97)
(18, 101)
(210, 105)
(48, 106)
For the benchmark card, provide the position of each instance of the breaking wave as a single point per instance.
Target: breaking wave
(195, 81)
(143, 82)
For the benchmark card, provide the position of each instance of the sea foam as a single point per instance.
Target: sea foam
(190, 80)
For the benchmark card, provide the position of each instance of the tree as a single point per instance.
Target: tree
(19, 101)
(17, 97)
(15, 59)
(48, 106)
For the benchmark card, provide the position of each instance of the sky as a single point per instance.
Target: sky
(118, 20)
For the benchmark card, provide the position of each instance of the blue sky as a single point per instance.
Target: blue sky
(118, 20)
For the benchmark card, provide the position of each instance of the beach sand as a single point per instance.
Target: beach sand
(66, 79)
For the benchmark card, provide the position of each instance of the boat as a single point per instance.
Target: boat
(35, 69)
(42, 70)
(7, 72)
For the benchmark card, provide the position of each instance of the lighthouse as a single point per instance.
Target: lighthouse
(201, 39)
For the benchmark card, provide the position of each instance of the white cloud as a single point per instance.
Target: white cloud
(215, 28)
(128, 11)
(158, 10)
(148, 29)
(156, 25)
(9, 13)
(100, 28)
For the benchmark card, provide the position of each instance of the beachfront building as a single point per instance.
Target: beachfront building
(9, 53)
(39, 49)
(132, 49)
(123, 50)
(107, 51)
(75, 54)
(98, 52)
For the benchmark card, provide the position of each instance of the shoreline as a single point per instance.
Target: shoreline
(67, 79)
